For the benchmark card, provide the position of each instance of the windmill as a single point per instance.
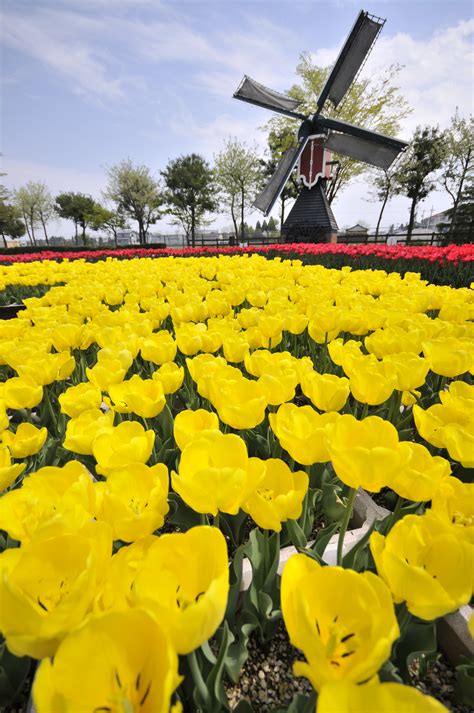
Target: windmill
(311, 217)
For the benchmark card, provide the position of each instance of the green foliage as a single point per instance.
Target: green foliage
(372, 103)
(461, 229)
(11, 223)
(459, 163)
(136, 193)
(414, 175)
(36, 206)
(111, 221)
(239, 176)
(190, 192)
(76, 207)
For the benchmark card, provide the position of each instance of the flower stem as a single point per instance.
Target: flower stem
(344, 525)
(396, 511)
(199, 681)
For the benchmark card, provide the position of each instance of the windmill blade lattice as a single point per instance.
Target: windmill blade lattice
(268, 197)
(255, 93)
(351, 58)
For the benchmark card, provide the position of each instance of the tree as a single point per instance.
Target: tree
(459, 161)
(36, 206)
(76, 207)
(462, 221)
(190, 192)
(11, 223)
(112, 221)
(239, 176)
(414, 175)
(383, 185)
(272, 225)
(373, 103)
(136, 193)
(279, 141)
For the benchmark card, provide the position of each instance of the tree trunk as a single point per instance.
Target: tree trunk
(44, 230)
(76, 236)
(412, 219)
(380, 215)
(4, 240)
(32, 226)
(25, 220)
(234, 219)
(193, 226)
(242, 196)
(282, 215)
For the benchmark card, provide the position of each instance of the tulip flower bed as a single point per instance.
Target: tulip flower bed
(165, 422)
(451, 265)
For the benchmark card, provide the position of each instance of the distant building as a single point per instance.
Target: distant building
(357, 230)
(127, 237)
(435, 220)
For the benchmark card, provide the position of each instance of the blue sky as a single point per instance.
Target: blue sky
(87, 83)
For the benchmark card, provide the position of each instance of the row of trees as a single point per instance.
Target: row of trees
(189, 189)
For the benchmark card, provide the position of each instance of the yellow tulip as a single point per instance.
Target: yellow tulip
(447, 357)
(213, 473)
(325, 325)
(190, 424)
(189, 338)
(326, 391)
(425, 564)
(344, 638)
(159, 348)
(4, 420)
(453, 502)
(302, 432)
(128, 662)
(279, 386)
(48, 368)
(68, 336)
(82, 431)
(170, 376)
(48, 587)
(184, 583)
(346, 697)
(22, 392)
(8, 472)
(133, 500)
(448, 425)
(235, 348)
(420, 474)
(26, 441)
(77, 399)
(145, 397)
(115, 591)
(344, 353)
(409, 369)
(279, 493)
(121, 446)
(49, 497)
(240, 403)
(105, 373)
(371, 381)
(364, 453)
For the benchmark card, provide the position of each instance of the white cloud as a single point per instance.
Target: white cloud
(437, 75)
(53, 39)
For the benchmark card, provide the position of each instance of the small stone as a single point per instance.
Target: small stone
(261, 674)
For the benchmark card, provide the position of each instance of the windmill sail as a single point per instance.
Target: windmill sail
(361, 144)
(268, 197)
(370, 152)
(251, 91)
(351, 57)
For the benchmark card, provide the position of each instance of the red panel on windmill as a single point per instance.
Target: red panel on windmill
(315, 161)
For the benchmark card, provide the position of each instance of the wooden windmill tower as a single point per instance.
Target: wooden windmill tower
(311, 218)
